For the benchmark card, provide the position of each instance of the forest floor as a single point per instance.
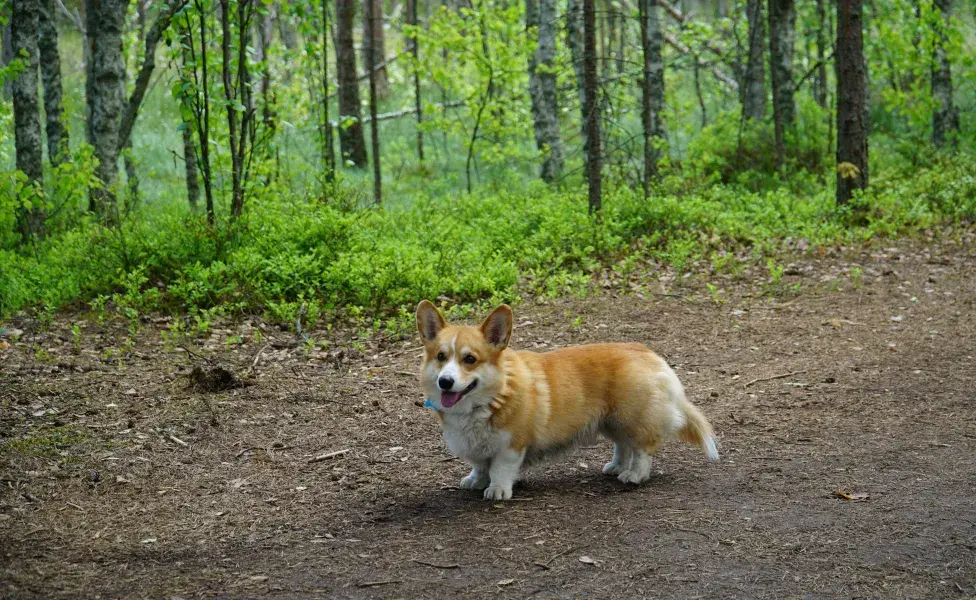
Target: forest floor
(845, 415)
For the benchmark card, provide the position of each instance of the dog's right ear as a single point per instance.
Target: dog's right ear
(429, 321)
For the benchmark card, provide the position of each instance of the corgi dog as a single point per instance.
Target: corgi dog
(500, 409)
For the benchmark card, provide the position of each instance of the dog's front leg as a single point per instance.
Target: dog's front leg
(504, 471)
(477, 479)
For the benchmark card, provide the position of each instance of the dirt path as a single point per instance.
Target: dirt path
(117, 483)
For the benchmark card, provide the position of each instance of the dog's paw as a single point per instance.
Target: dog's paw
(612, 468)
(497, 492)
(630, 476)
(472, 482)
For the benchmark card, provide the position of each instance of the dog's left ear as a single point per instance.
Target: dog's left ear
(497, 328)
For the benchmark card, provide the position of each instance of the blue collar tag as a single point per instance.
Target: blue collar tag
(429, 404)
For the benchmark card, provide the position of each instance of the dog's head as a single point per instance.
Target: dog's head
(461, 369)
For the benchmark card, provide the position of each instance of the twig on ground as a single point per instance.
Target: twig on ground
(257, 356)
(322, 457)
(436, 566)
(177, 440)
(783, 376)
(366, 584)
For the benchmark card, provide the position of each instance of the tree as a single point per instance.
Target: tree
(945, 118)
(652, 88)
(376, 41)
(540, 17)
(27, 117)
(415, 52)
(105, 93)
(47, 41)
(351, 140)
(753, 88)
(194, 96)
(574, 39)
(237, 93)
(328, 152)
(852, 101)
(782, 31)
(820, 83)
(371, 24)
(594, 165)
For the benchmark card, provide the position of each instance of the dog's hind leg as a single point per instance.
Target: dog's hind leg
(623, 448)
(640, 468)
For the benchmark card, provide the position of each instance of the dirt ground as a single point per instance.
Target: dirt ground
(324, 477)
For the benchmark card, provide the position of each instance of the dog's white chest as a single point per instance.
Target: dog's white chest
(471, 436)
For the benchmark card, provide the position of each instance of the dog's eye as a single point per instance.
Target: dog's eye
(470, 359)
(441, 357)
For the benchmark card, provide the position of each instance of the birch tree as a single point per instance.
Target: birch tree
(540, 18)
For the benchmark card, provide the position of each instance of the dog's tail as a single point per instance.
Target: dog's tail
(696, 428)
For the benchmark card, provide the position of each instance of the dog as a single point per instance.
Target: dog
(500, 409)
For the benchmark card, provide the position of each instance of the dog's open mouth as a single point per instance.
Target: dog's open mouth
(449, 399)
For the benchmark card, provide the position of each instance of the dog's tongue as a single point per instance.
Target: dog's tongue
(449, 399)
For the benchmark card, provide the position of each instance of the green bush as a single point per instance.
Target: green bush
(291, 249)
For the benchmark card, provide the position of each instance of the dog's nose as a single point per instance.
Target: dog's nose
(446, 383)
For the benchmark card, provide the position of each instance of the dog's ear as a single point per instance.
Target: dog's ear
(497, 328)
(429, 321)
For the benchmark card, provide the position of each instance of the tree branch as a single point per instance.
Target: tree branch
(145, 72)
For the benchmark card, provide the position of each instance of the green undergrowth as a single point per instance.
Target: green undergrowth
(293, 249)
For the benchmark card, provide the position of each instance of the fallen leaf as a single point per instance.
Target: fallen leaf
(506, 582)
(852, 496)
(897, 318)
(148, 541)
(258, 577)
(587, 560)
(4, 345)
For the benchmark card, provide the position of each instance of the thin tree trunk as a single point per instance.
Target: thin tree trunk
(652, 88)
(945, 118)
(190, 168)
(106, 19)
(418, 101)
(540, 18)
(821, 80)
(371, 25)
(377, 42)
(328, 152)
(852, 101)
(237, 95)
(782, 33)
(200, 105)
(574, 39)
(57, 134)
(754, 86)
(265, 30)
(594, 166)
(351, 139)
(28, 141)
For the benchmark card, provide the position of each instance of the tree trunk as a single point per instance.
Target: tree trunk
(418, 101)
(594, 175)
(28, 142)
(190, 168)
(754, 86)
(945, 119)
(237, 96)
(376, 41)
(328, 152)
(820, 90)
(852, 101)
(782, 26)
(351, 139)
(371, 25)
(106, 99)
(574, 39)
(540, 18)
(57, 134)
(652, 88)
(7, 52)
